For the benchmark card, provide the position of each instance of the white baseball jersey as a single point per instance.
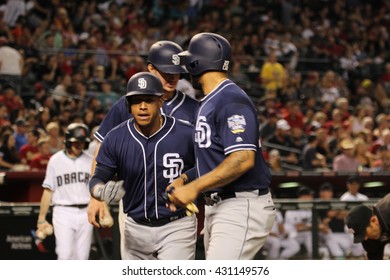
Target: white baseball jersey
(347, 196)
(68, 178)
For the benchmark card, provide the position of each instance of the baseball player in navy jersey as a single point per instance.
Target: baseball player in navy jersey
(147, 152)
(163, 61)
(66, 188)
(232, 173)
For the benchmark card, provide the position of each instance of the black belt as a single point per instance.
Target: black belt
(157, 222)
(213, 198)
(73, 205)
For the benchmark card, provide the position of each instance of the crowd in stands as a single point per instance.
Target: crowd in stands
(318, 71)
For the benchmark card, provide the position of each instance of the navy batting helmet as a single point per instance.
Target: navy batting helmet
(164, 56)
(207, 52)
(143, 83)
(77, 132)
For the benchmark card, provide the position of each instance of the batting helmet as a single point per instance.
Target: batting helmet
(77, 132)
(207, 52)
(143, 83)
(164, 56)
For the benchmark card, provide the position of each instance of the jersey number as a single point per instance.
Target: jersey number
(202, 133)
(173, 165)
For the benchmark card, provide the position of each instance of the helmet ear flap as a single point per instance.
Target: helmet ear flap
(127, 104)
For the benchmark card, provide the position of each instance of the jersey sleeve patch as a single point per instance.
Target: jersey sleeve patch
(236, 124)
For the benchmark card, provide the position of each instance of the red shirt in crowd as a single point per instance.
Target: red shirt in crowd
(39, 162)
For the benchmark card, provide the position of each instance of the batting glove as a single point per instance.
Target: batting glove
(111, 192)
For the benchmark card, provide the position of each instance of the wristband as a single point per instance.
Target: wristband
(41, 222)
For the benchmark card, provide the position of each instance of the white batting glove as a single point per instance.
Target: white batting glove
(111, 192)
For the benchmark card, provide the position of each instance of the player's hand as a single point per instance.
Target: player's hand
(181, 195)
(98, 209)
(190, 208)
(43, 230)
(112, 191)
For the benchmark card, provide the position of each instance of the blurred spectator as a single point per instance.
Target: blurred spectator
(53, 140)
(4, 116)
(382, 123)
(337, 120)
(12, 101)
(11, 64)
(137, 64)
(281, 140)
(277, 240)
(274, 161)
(239, 76)
(382, 141)
(294, 115)
(107, 96)
(289, 51)
(43, 118)
(353, 187)
(272, 73)
(36, 101)
(352, 194)
(336, 239)
(8, 155)
(357, 118)
(311, 158)
(311, 86)
(40, 10)
(268, 126)
(347, 160)
(364, 156)
(328, 88)
(95, 82)
(382, 160)
(30, 149)
(49, 71)
(20, 133)
(61, 91)
(299, 224)
(40, 160)
(12, 10)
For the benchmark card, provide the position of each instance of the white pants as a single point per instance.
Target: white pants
(295, 240)
(73, 232)
(173, 241)
(121, 224)
(236, 228)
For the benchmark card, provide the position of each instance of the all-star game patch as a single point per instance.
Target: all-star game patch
(236, 124)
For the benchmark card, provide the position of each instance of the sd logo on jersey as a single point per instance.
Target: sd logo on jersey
(236, 124)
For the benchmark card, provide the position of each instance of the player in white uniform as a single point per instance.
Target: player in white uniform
(353, 194)
(299, 225)
(66, 188)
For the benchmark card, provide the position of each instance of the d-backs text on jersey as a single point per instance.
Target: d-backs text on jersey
(71, 178)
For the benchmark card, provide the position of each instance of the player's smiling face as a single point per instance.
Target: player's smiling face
(146, 112)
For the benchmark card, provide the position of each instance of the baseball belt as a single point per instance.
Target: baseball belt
(73, 205)
(214, 198)
(158, 222)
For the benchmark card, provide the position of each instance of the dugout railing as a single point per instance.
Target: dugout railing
(18, 220)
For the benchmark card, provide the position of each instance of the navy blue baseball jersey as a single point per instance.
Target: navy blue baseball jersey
(180, 106)
(233, 126)
(148, 164)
